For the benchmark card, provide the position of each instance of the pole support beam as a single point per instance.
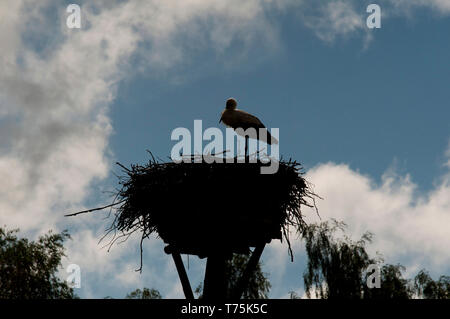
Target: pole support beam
(183, 276)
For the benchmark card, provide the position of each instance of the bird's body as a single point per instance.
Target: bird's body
(235, 118)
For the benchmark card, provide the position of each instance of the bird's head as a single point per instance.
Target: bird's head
(231, 104)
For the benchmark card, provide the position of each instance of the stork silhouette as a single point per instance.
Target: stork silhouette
(235, 118)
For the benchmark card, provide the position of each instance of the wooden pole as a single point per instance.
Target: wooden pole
(215, 284)
(183, 276)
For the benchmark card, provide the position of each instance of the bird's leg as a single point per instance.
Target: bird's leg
(246, 148)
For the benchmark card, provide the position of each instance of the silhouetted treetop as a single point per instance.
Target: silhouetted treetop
(28, 269)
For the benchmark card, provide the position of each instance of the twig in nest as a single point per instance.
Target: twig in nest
(95, 209)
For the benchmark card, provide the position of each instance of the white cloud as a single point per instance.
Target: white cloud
(409, 226)
(447, 155)
(405, 6)
(341, 19)
(335, 19)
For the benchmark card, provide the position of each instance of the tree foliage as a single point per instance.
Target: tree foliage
(258, 286)
(337, 269)
(393, 285)
(335, 266)
(28, 269)
(426, 287)
(146, 293)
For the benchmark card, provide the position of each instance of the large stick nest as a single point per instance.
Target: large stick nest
(202, 209)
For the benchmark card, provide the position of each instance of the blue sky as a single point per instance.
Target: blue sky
(365, 111)
(333, 102)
